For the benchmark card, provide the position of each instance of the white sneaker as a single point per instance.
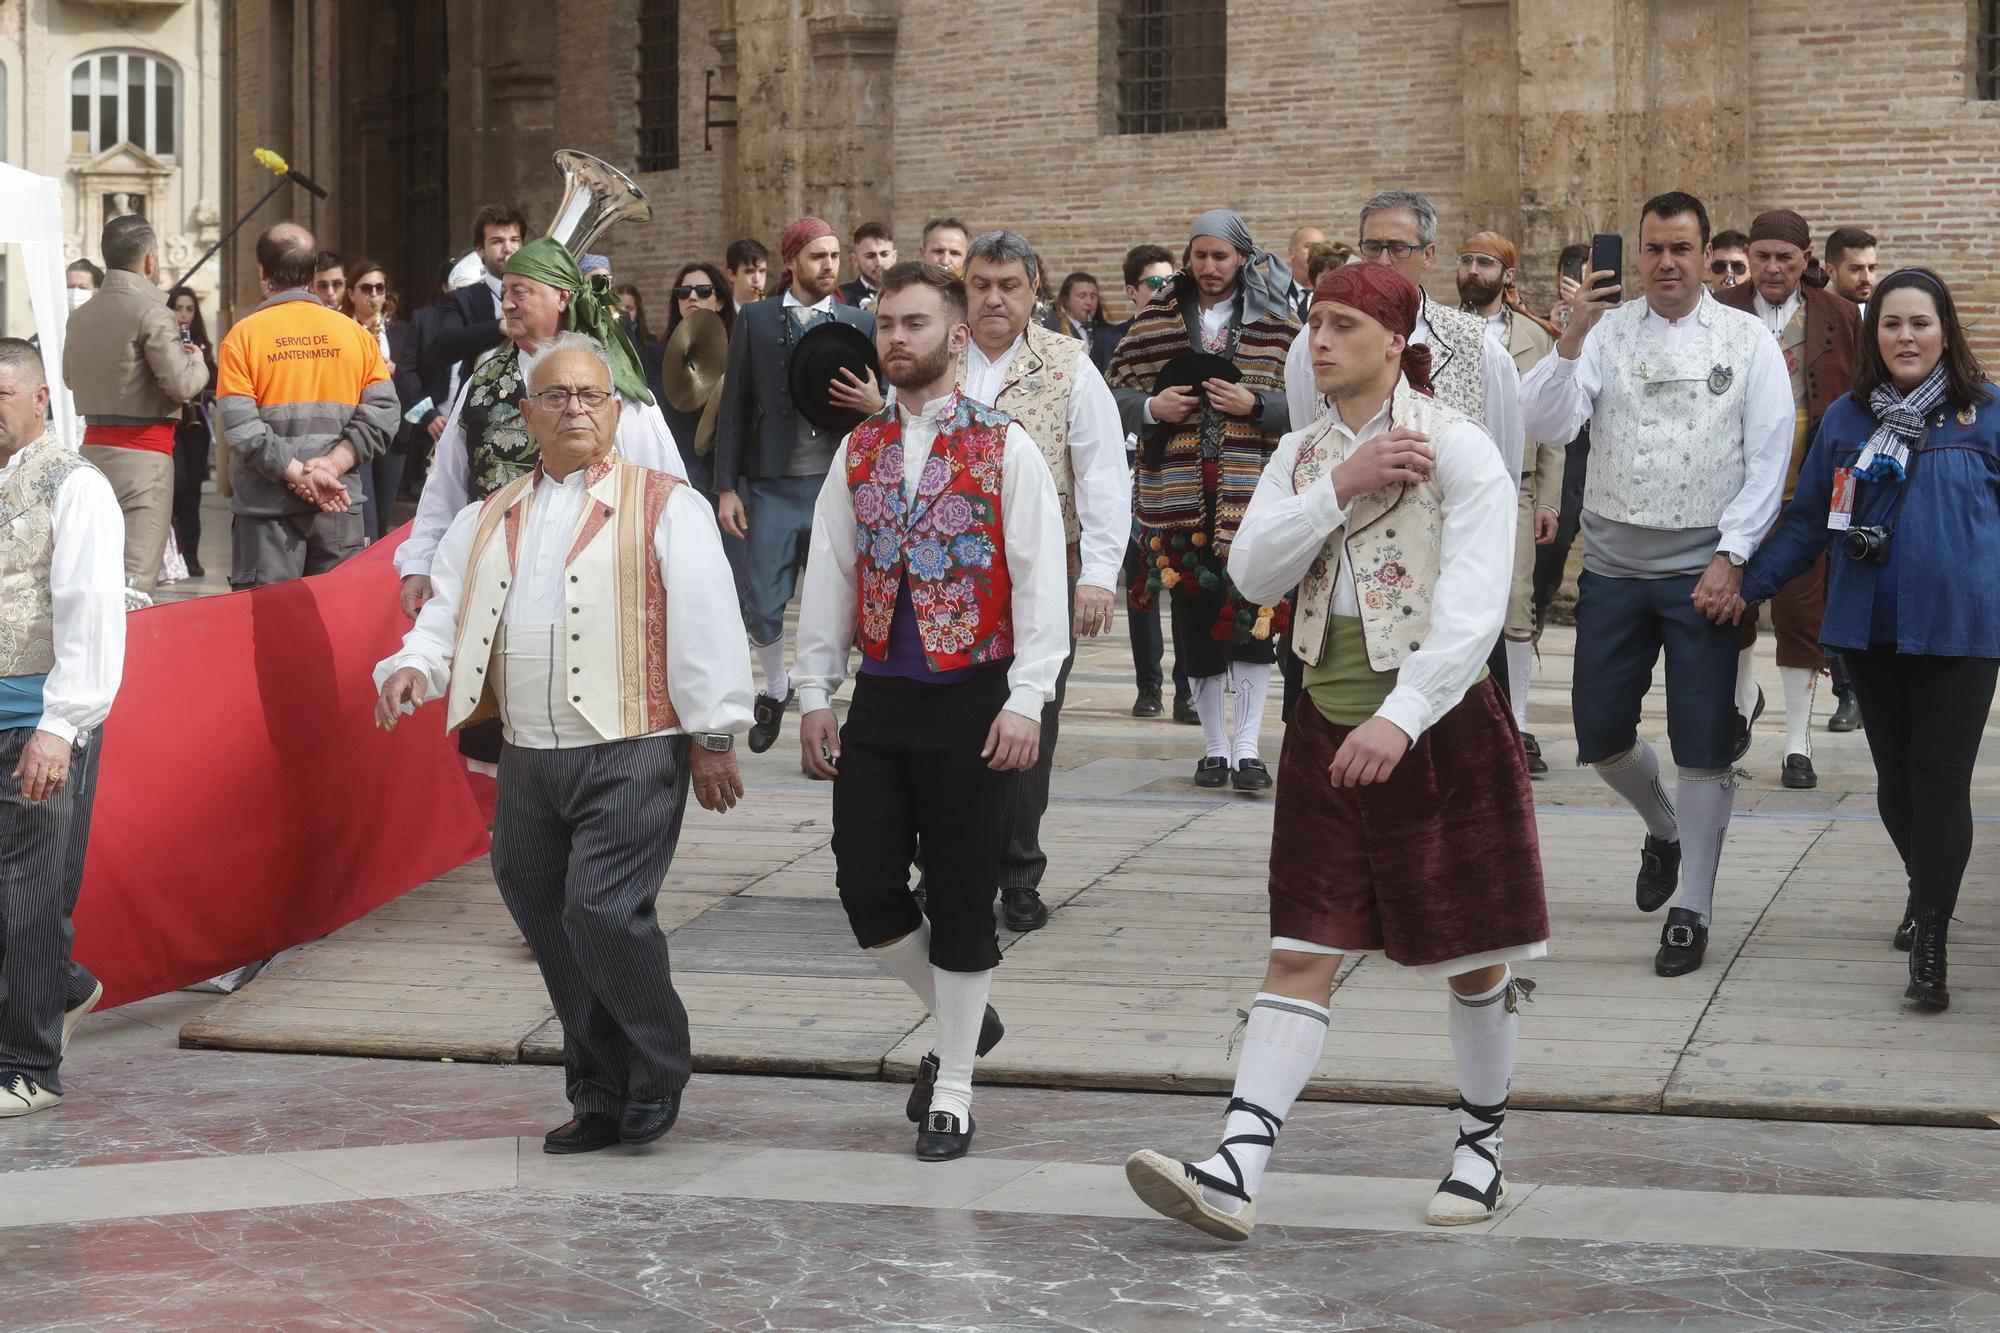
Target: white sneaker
(71, 1017)
(21, 1095)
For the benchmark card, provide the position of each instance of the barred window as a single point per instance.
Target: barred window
(1172, 59)
(1986, 52)
(659, 147)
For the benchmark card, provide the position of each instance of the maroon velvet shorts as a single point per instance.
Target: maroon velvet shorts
(1438, 863)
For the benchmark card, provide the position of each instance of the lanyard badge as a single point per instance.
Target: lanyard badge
(1840, 513)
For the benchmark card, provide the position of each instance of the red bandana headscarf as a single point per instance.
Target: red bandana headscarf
(798, 236)
(1388, 298)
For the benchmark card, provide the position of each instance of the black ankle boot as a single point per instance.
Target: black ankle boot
(1927, 961)
(1907, 931)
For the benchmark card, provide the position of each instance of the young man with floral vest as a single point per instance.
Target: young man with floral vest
(1691, 422)
(1404, 823)
(938, 543)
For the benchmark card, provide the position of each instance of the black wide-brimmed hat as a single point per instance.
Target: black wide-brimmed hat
(1190, 370)
(823, 351)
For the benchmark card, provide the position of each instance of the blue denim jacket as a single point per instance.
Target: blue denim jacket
(1946, 550)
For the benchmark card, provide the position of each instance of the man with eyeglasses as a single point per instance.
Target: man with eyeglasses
(587, 604)
(1728, 261)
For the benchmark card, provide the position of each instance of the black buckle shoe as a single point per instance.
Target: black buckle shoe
(1927, 962)
(991, 1030)
(1023, 909)
(1211, 772)
(941, 1139)
(1798, 773)
(1659, 872)
(1251, 775)
(1184, 710)
(766, 716)
(1742, 746)
(645, 1121)
(1847, 717)
(1682, 944)
(588, 1132)
(1147, 704)
(1531, 750)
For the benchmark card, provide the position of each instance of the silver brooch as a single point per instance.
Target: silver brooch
(1720, 378)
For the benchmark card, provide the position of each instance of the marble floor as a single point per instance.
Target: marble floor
(181, 1189)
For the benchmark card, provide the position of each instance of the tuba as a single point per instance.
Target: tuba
(595, 195)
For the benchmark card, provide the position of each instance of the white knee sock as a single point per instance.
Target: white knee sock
(1636, 777)
(1704, 799)
(1214, 721)
(771, 663)
(909, 961)
(1746, 681)
(1520, 675)
(961, 1009)
(1252, 683)
(1281, 1047)
(1798, 683)
(1484, 1029)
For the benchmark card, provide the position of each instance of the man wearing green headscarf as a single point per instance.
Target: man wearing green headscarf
(485, 445)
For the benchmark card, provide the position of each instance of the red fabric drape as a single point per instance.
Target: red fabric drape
(246, 801)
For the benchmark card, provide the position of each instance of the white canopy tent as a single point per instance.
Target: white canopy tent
(31, 222)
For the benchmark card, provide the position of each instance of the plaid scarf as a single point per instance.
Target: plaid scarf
(1899, 422)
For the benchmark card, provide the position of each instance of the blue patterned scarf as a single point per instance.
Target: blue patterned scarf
(1899, 423)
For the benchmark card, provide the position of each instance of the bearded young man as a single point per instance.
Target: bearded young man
(1404, 821)
(938, 544)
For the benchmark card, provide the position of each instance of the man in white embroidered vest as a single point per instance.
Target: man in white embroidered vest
(1404, 821)
(937, 541)
(1487, 287)
(588, 602)
(1048, 384)
(62, 650)
(1690, 414)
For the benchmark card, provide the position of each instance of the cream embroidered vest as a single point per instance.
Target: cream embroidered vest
(1666, 433)
(1035, 392)
(1394, 539)
(616, 617)
(27, 544)
(1458, 359)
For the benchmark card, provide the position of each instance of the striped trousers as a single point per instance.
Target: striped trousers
(41, 872)
(582, 839)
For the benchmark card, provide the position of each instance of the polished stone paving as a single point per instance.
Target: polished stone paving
(182, 1189)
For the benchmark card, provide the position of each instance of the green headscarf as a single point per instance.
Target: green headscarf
(593, 309)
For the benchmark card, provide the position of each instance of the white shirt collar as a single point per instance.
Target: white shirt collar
(1006, 356)
(492, 285)
(1374, 426)
(1776, 317)
(824, 304)
(930, 413)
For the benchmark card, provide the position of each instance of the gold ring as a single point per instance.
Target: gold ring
(56, 775)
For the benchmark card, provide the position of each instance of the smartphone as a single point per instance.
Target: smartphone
(187, 336)
(1607, 255)
(1572, 268)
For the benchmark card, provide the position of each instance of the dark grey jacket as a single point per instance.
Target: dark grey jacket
(756, 429)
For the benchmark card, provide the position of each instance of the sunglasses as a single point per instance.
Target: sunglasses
(700, 291)
(371, 288)
(1739, 267)
(1157, 281)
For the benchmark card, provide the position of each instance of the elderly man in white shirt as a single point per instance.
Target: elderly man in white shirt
(588, 603)
(62, 652)
(937, 543)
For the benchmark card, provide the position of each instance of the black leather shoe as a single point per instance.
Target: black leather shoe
(1682, 944)
(1906, 933)
(940, 1139)
(1531, 750)
(1147, 704)
(588, 1132)
(1798, 773)
(991, 1030)
(1847, 717)
(1184, 710)
(1023, 909)
(1659, 872)
(195, 570)
(1742, 728)
(1251, 775)
(1211, 772)
(645, 1121)
(766, 716)
(1927, 962)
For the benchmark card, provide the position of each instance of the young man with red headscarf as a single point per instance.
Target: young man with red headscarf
(1394, 516)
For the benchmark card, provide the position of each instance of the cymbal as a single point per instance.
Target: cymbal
(704, 431)
(697, 355)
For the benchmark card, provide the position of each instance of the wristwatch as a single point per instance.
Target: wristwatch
(1737, 560)
(715, 742)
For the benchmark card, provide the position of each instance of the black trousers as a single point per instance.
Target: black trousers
(910, 773)
(582, 840)
(1551, 559)
(1149, 646)
(1925, 715)
(191, 447)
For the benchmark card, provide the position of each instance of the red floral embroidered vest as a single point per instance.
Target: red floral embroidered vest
(947, 542)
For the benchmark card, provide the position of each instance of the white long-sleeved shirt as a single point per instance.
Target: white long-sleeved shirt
(1037, 565)
(1559, 395)
(708, 662)
(87, 586)
(1499, 390)
(1101, 482)
(1285, 529)
(643, 438)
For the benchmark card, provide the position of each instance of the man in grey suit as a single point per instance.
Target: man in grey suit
(770, 461)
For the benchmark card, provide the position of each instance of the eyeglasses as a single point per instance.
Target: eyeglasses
(555, 400)
(1157, 281)
(371, 288)
(1739, 267)
(1394, 249)
(700, 291)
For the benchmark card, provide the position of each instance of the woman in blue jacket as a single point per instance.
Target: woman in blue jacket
(1902, 485)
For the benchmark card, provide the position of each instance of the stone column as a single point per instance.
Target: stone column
(1488, 77)
(772, 100)
(851, 126)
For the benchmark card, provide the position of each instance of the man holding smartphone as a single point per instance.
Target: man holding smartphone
(1690, 409)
